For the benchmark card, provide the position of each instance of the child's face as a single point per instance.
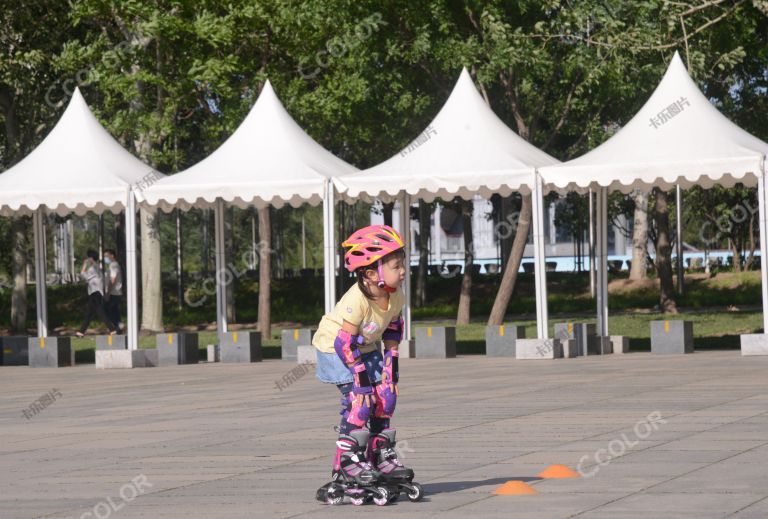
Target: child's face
(394, 271)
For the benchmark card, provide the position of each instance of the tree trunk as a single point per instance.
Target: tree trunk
(465, 296)
(151, 276)
(505, 238)
(640, 237)
(424, 232)
(387, 210)
(509, 278)
(752, 245)
(19, 294)
(736, 253)
(265, 273)
(664, 253)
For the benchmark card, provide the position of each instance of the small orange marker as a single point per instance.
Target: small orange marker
(558, 472)
(515, 488)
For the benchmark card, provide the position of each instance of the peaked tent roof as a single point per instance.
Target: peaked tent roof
(466, 150)
(678, 136)
(78, 167)
(269, 159)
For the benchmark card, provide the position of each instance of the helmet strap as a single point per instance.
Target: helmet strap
(381, 283)
(380, 271)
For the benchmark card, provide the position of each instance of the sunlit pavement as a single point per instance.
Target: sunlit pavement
(651, 436)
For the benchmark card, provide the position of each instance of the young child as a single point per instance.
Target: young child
(348, 357)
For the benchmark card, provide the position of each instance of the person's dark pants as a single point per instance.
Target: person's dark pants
(96, 307)
(112, 309)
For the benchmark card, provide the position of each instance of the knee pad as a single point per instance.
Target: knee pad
(346, 404)
(394, 331)
(360, 410)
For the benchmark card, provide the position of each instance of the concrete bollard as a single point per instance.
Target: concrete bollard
(570, 348)
(620, 344)
(435, 342)
(581, 332)
(242, 346)
(754, 344)
(49, 352)
(306, 355)
(293, 338)
(671, 337)
(530, 349)
(111, 342)
(213, 352)
(603, 345)
(500, 340)
(123, 359)
(177, 348)
(14, 350)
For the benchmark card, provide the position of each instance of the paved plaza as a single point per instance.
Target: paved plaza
(653, 436)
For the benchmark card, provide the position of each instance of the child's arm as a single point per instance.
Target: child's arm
(386, 392)
(393, 334)
(351, 330)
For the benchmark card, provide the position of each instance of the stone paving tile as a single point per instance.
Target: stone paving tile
(220, 440)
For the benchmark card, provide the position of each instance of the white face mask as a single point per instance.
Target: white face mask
(107, 261)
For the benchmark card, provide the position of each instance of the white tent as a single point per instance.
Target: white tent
(677, 137)
(269, 159)
(466, 150)
(77, 168)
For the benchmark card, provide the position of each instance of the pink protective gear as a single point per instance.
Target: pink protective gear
(369, 244)
(361, 398)
(346, 348)
(394, 331)
(386, 391)
(362, 404)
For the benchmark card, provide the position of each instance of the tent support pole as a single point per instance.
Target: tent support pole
(405, 231)
(761, 199)
(130, 281)
(329, 247)
(602, 262)
(591, 219)
(679, 215)
(221, 275)
(539, 259)
(38, 229)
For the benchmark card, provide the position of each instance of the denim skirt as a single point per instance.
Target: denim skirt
(331, 369)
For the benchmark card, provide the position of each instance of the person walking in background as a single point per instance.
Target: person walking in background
(113, 295)
(91, 274)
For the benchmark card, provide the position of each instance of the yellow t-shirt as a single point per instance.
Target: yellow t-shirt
(354, 307)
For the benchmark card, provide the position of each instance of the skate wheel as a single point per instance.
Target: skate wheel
(383, 496)
(357, 501)
(415, 493)
(334, 495)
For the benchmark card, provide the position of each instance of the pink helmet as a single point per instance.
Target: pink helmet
(370, 244)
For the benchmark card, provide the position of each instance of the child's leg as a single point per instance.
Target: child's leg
(346, 406)
(378, 425)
